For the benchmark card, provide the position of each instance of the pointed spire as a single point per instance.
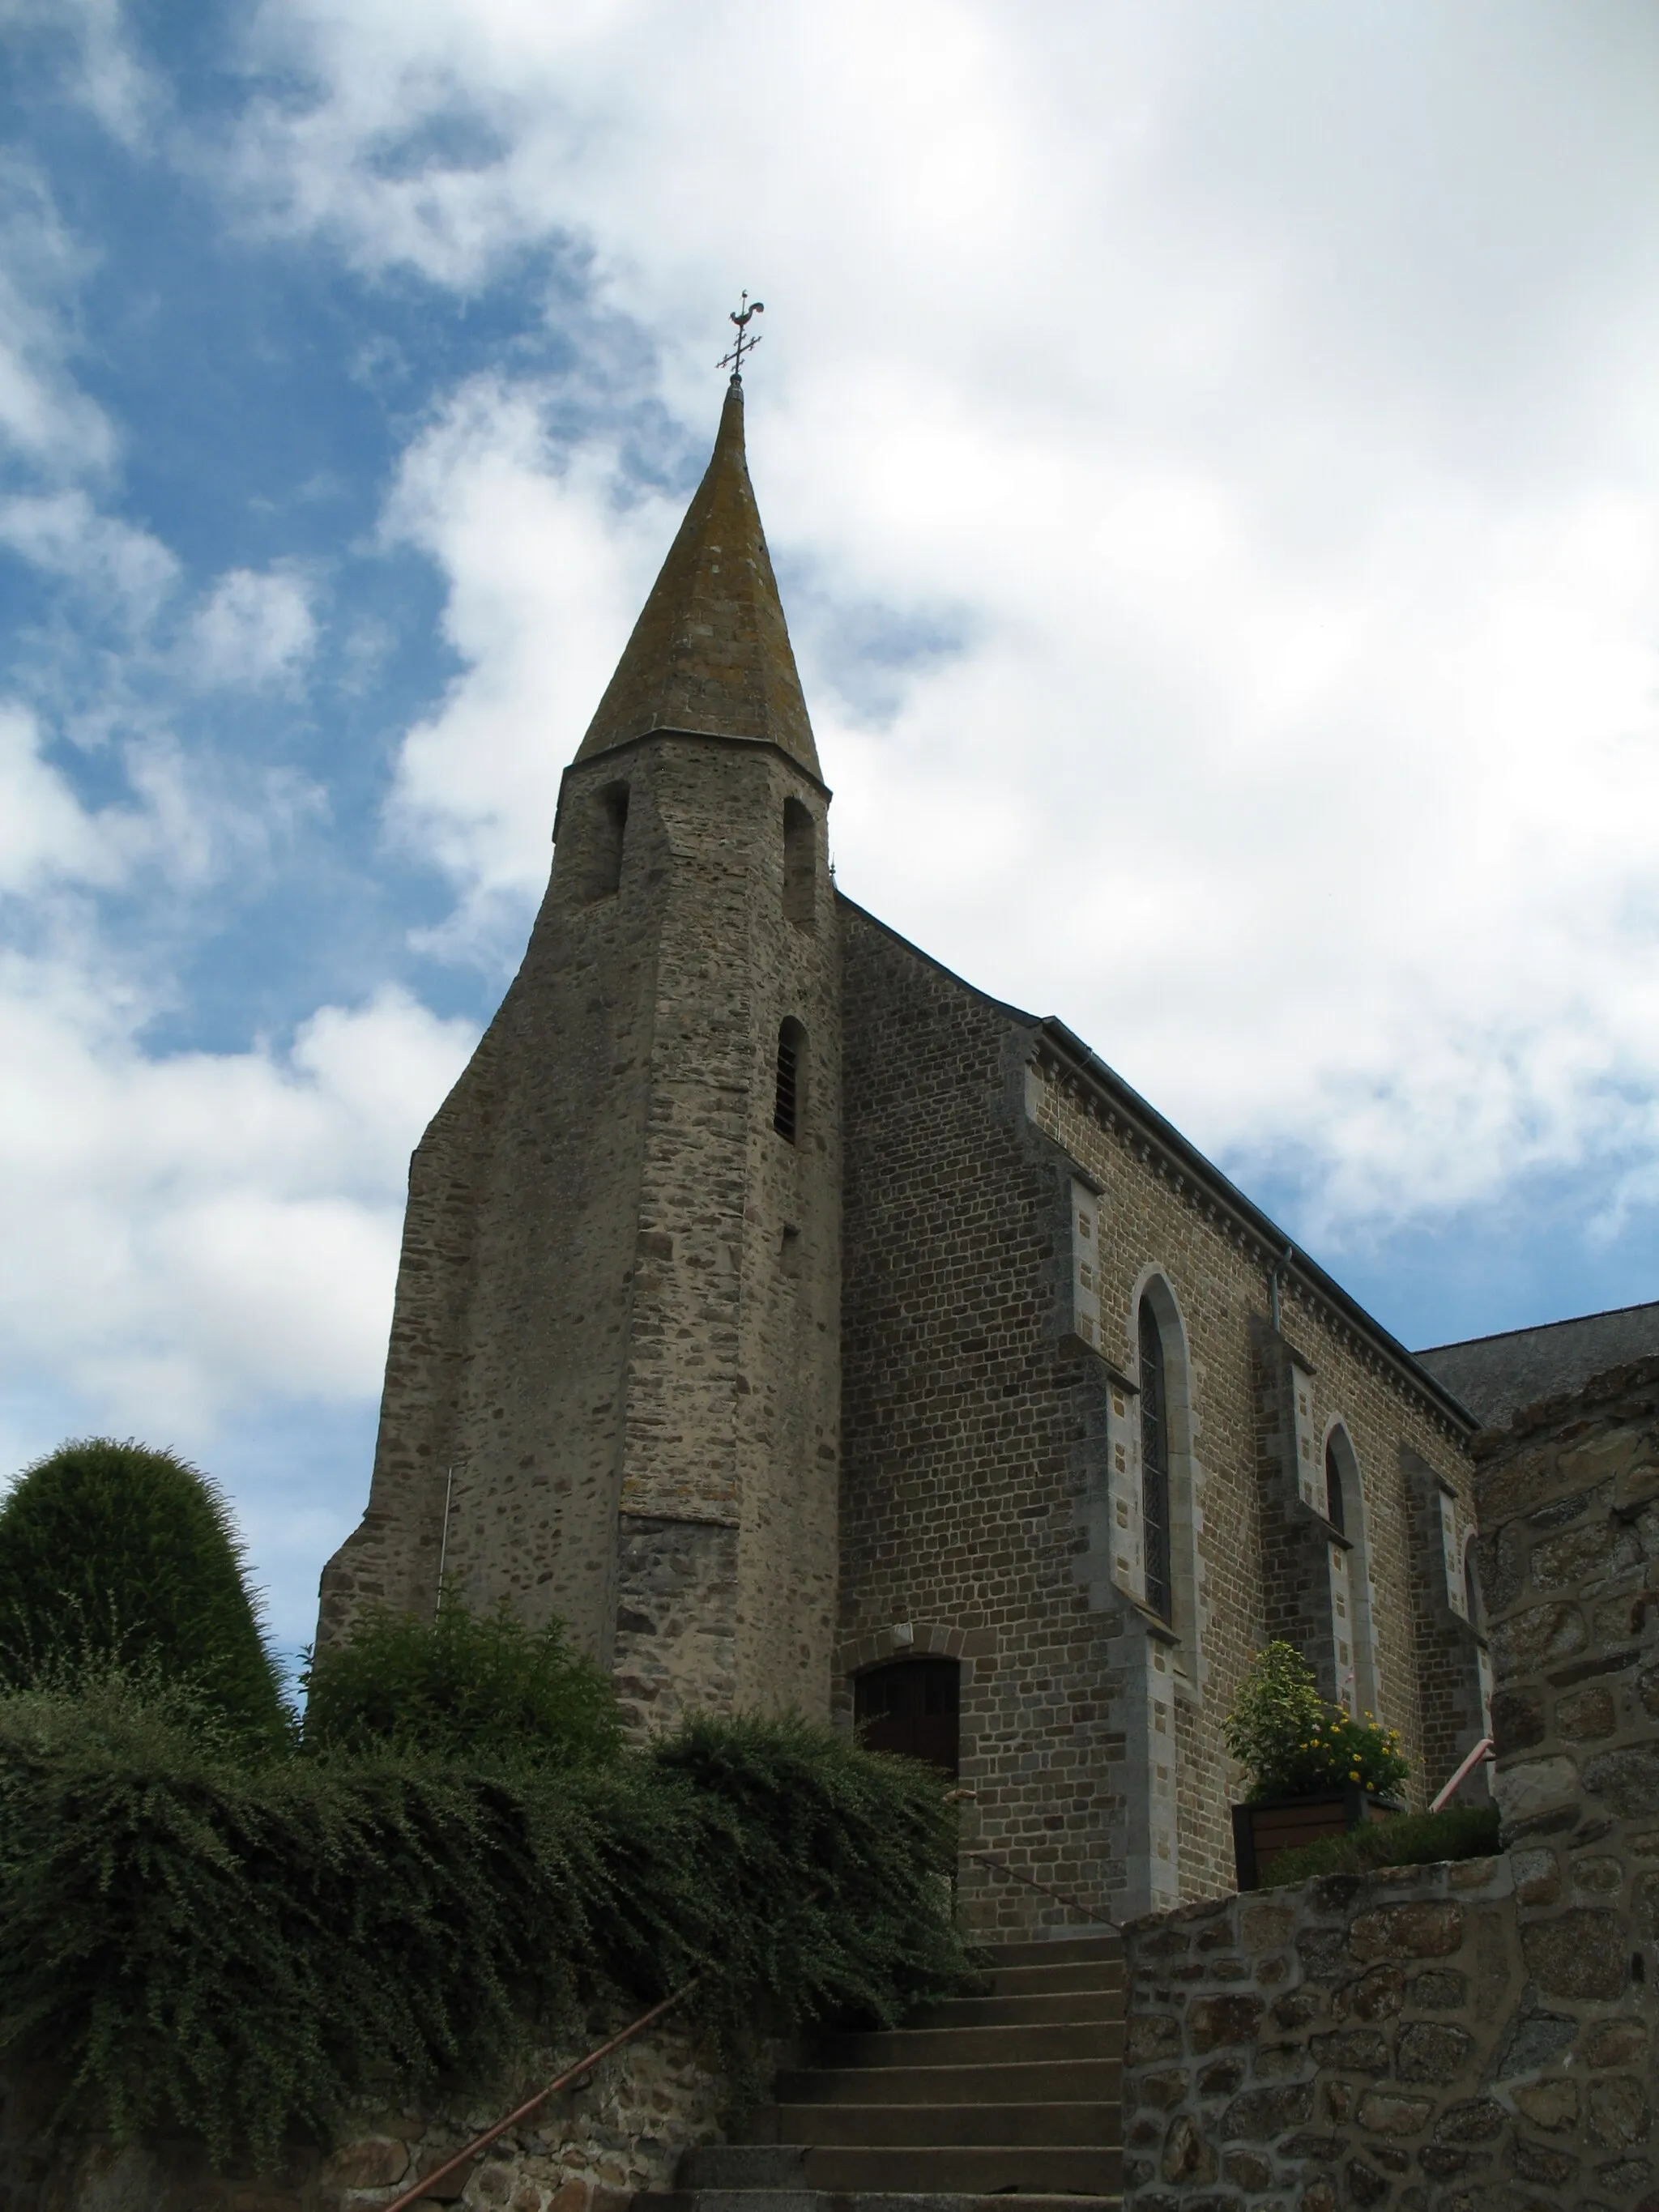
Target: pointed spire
(710, 653)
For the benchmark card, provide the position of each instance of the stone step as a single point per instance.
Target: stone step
(975, 2169)
(1058, 1950)
(870, 2126)
(1081, 2080)
(974, 2046)
(1045, 2008)
(1035, 1981)
(812, 2200)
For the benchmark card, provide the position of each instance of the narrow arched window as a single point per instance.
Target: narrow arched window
(1154, 1466)
(1336, 1507)
(799, 865)
(605, 841)
(791, 1080)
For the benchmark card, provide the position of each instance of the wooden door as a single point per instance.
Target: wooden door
(911, 1706)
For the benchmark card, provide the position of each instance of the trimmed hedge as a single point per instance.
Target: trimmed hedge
(245, 1950)
(1462, 1832)
(113, 1552)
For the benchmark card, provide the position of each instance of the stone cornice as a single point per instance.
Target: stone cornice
(1062, 1058)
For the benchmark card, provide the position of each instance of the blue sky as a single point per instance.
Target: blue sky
(1209, 459)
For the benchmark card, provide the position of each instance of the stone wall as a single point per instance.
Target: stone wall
(613, 1387)
(979, 1495)
(1474, 2038)
(588, 2149)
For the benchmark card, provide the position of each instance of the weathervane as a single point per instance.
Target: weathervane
(742, 317)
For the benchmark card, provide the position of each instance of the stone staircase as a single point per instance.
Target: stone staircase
(1011, 2094)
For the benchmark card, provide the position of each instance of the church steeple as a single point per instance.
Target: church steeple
(710, 652)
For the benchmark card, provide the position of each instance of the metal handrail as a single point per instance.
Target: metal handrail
(1482, 1754)
(1101, 1919)
(571, 2073)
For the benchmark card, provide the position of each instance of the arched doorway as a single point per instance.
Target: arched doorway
(912, 1706)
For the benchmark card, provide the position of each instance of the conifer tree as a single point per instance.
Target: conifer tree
(113, 1552)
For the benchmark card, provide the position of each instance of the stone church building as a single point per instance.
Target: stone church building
(811, 1330)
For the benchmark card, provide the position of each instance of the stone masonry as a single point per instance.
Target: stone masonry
(987, 1444)
(591, 2149)
(613, 1388)
(758, 1408)
(1472, 2038)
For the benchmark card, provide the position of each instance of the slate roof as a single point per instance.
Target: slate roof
(710, 652)
(1496, 1376)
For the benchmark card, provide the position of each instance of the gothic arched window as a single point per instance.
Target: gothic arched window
(1154, 1466)
(1336, 1505)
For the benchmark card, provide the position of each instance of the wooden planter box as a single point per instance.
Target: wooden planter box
(1261, 1832)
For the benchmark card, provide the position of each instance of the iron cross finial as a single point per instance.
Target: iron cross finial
(743, 317)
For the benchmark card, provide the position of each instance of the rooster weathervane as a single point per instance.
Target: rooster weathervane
(743, 317)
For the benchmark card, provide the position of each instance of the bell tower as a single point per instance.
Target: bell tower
(612, 1390)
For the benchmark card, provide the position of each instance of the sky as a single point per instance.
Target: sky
(1210, 461)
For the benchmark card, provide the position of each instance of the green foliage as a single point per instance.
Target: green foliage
(481, 1688)
(244, 1949)
(112, 1550)
(1292, 1742)
(1462, 1832)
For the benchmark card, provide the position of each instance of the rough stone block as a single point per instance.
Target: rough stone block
(1580, 1954)
(1541, 1636)
(1187, 2157)
(1533, 2039)
(1362, 2185)
(1439, 1989)
(1259, 2115)
(1477, 2120)
(1247, 2169)
(1626, 1780)
(1536, 2161)
(1615, 2043)
(1429, 2051)
(1352, 2050)
(1620, 2113)
(1377, 1995)
(1212, 2021)
(1152, 2036)
(1386, 2111)
(1428, 1929)
(1551, 2105)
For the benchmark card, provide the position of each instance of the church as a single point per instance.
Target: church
(812, 1331)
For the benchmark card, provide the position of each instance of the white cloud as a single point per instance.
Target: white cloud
(253, 629)
(105, 73)
(124, 568)
(1293, 478)
(46, 835)
(45, 421)
(189, 1234)
(546, 575)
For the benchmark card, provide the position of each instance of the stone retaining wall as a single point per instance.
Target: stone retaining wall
(1475, 2038)
(586, 2150)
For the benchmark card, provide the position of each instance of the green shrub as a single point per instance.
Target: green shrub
(1462, 1832)
(245, 1950)
(1294, 1743)
(112, 1550)
(481, 1688)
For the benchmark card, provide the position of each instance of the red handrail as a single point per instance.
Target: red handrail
(1478, 1757)
(571, 2073)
